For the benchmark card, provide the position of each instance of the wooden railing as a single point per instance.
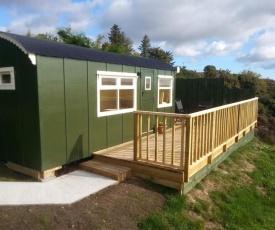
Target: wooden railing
(190, 141)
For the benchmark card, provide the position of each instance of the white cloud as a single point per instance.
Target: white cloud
(190, 50)
(263, 51)
(221, 48)
(187, 28)
(46, 16)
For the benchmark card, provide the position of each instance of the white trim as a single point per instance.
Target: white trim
(163, 105)
(32, 57)
(150, 79)
(164, 76)
(118, 76)
(7, 86)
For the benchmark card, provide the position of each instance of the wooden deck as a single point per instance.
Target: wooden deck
(149, 169)
(187, 150)
(126, 151)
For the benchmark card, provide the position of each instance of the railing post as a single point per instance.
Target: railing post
(136, 135)
(164, 140)
(238, 125)
(188, 149)
(148, 138)
(156, 138)
(212, 138)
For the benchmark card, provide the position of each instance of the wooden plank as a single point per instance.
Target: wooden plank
(115, 172)
(161, 181)
(198, 166)
(144, 167)
(50, 173)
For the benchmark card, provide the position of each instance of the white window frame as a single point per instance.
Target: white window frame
(118, 76)
(150, 80)
(7, 86)
(170, 88)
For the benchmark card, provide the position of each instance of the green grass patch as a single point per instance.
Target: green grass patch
(173, 216)
(244, 196)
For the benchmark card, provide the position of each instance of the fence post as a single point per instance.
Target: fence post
(188, 149)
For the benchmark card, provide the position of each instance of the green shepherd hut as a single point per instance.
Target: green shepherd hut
(59, 103)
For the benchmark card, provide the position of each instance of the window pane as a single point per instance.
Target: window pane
(164, 96)
(6, 79)
(108, 100)
(125, 81)
(126, 99)
(148, 83)
(108, 81)
(164, 82)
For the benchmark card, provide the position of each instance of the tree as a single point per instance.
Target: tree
(160, 54)
(119, 42)
(249, 80)
(210, 71)
(186, 73)
(47, 36)
(145, 46)
(68, 36)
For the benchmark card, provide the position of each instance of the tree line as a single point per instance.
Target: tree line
(247, 79)
(117, 42)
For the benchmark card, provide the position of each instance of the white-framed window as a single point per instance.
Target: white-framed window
(116, 93)
(7, 81)
(165, 89)
(147, 83)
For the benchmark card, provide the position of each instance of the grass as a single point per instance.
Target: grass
(243, 196)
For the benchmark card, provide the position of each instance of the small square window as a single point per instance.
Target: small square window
(7, 78)
(147, 83)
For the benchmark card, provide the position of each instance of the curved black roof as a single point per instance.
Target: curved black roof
(48, 48)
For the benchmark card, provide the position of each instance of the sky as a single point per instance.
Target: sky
(228, 34)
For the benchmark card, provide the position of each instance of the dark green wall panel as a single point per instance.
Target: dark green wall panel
(19, 126)
(114, 134)
(97, 125)
(30, 112)
(76, 104)
(128, 127)
(52, 112)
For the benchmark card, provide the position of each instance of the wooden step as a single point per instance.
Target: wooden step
(112, 171)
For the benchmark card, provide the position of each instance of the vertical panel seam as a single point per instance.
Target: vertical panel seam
(65, 111)
(88, 107)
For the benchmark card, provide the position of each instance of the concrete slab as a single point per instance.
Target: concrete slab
(65, 189)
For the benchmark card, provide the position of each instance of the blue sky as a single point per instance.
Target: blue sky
(229, 34)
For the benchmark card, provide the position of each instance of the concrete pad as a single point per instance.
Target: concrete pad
(65, 189)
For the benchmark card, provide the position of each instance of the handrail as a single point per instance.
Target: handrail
(195, 141)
